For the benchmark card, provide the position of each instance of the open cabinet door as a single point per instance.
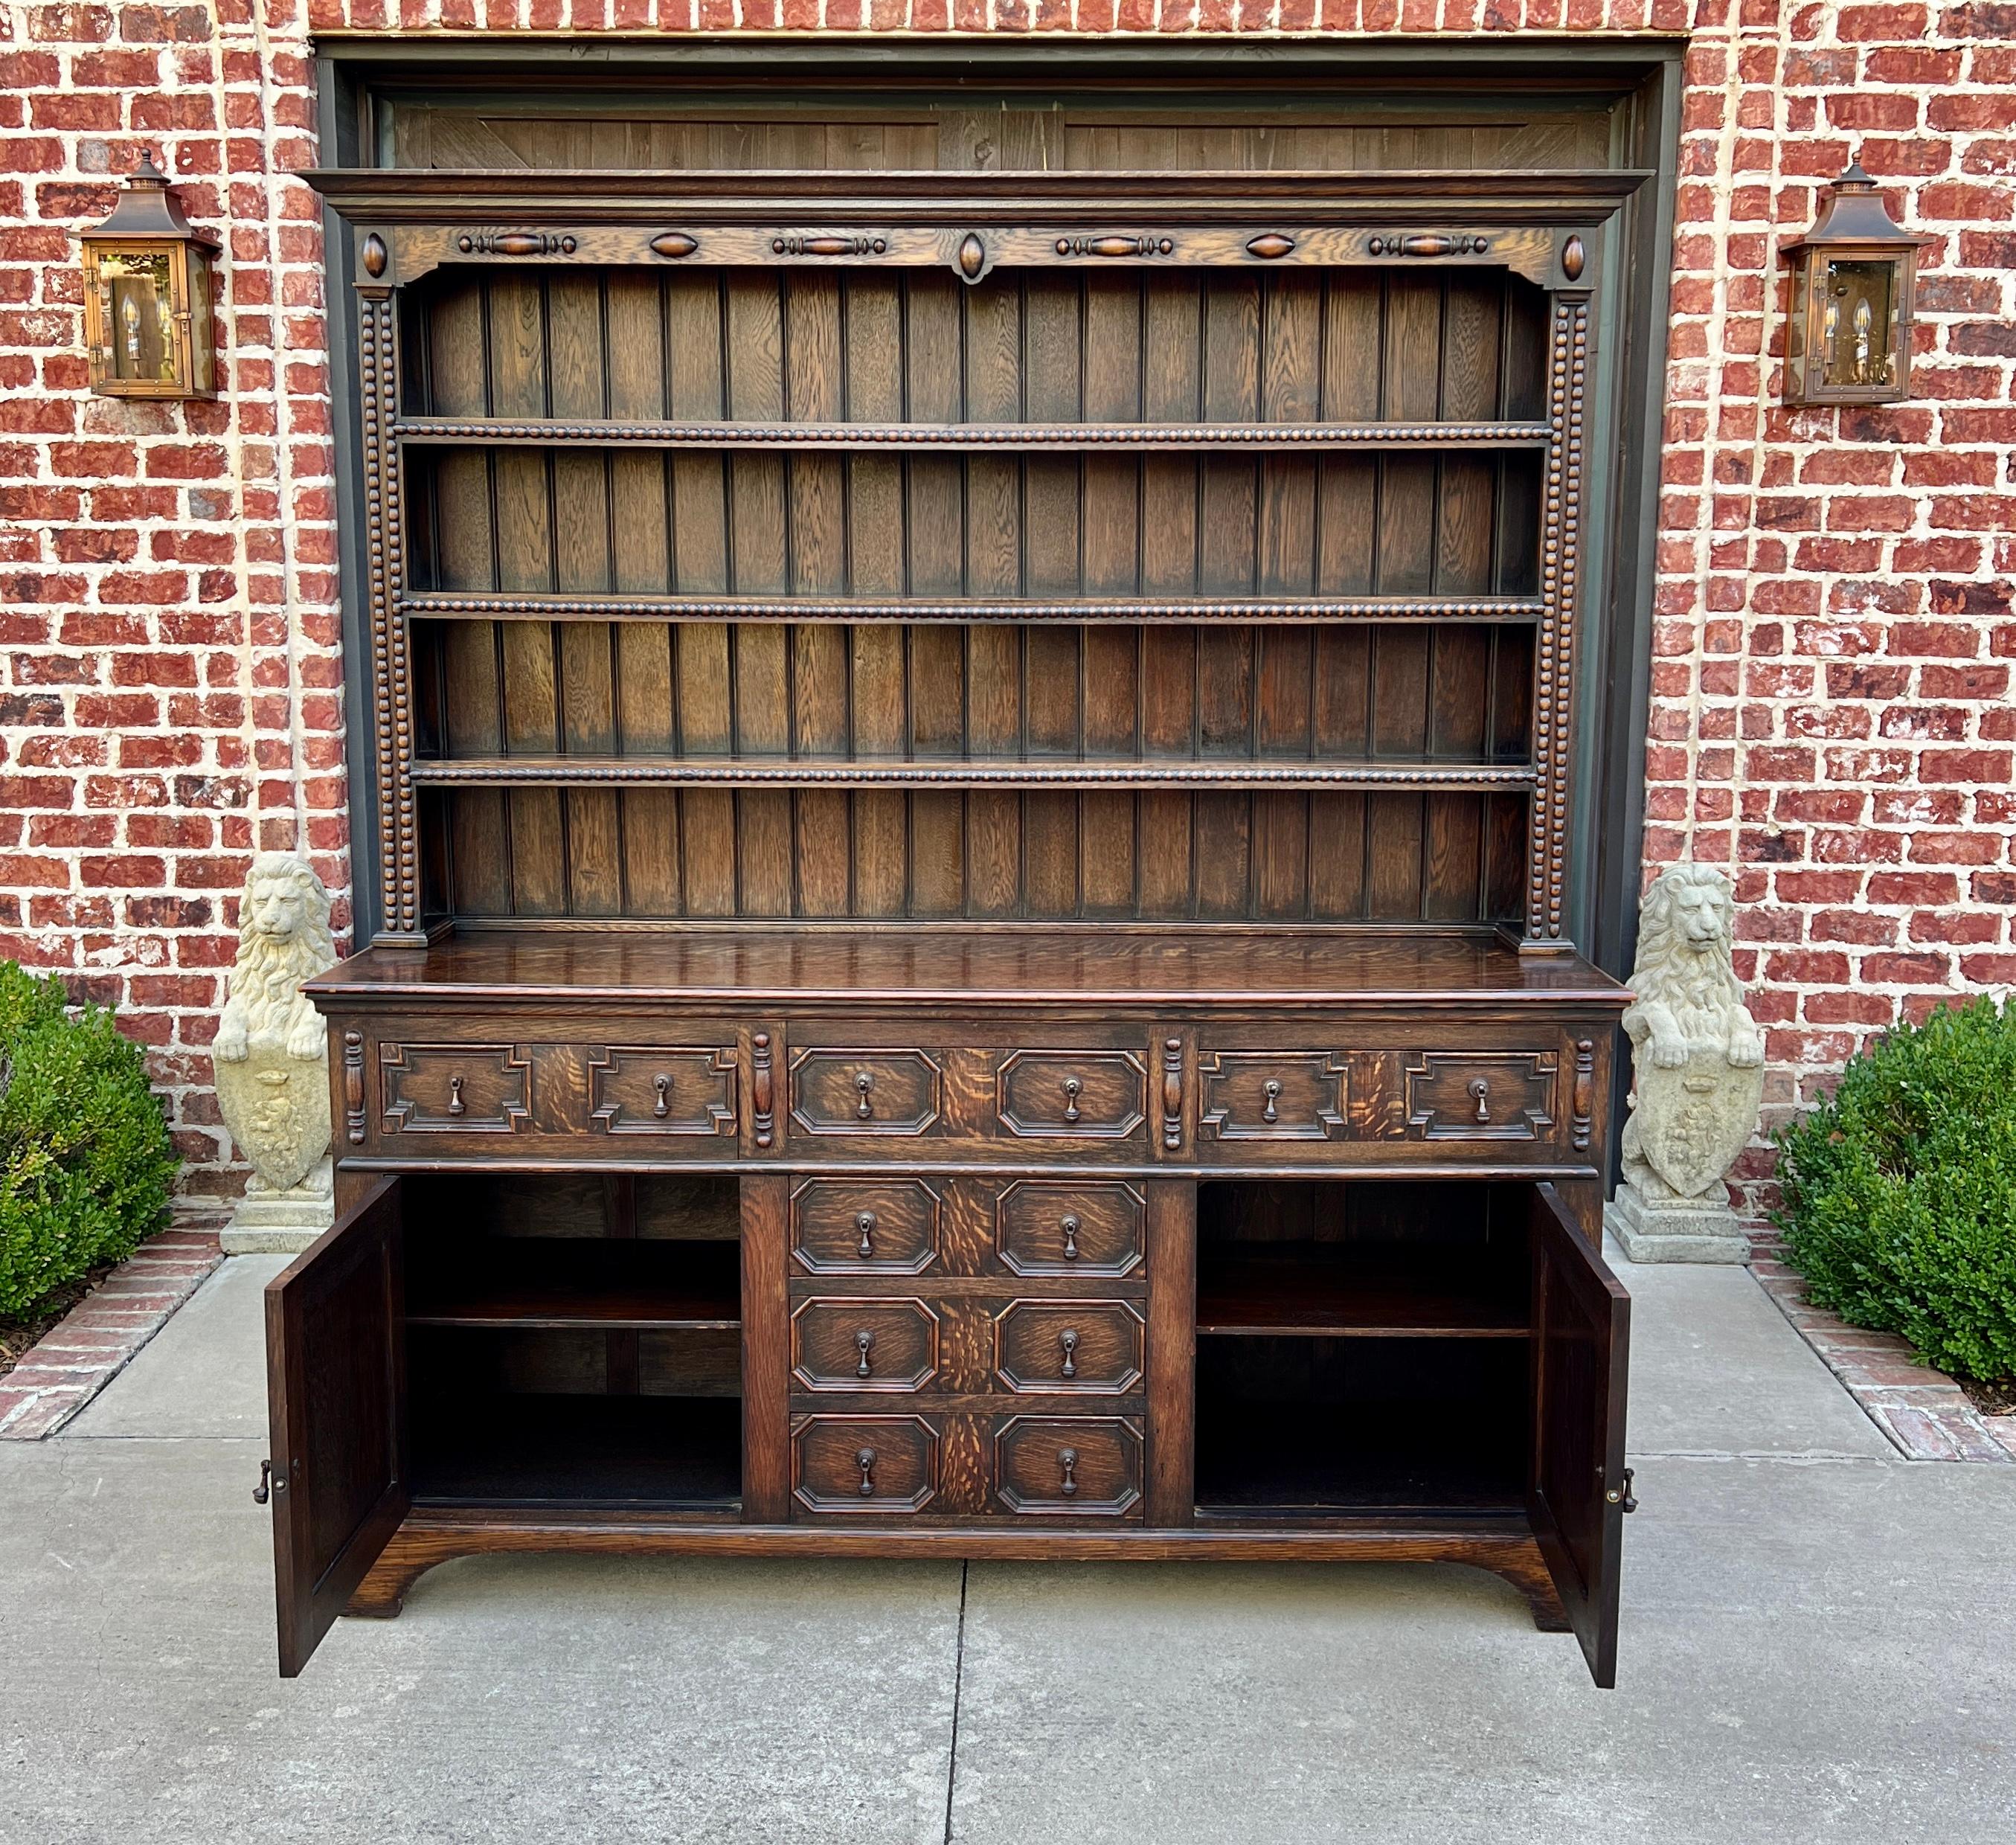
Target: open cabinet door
(1576, 1491)
(335, 1391)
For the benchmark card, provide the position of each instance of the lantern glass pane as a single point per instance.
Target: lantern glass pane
(203, 357)
(1795, 321)
(1855, 316)
(136, 299)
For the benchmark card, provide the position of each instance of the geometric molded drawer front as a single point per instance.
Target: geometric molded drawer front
(856, 1464)
(1064, 1346)
(1272, 1095)
(864, 1345)
(1085, 1095)
(845, 1226)
(1068, 1466)
(1481, 1095)
(865, 1092)
(642, 1089)
(461, 1089)
(1046, 1226)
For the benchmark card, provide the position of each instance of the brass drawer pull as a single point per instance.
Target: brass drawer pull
(863, 1083)
(1069, 1341)
(865, 1460)
(864, 1343)
(663, 1084)
(455, 1104)
(1073, 1088)
(865, 1222)
(1272, 1090)
(1479, 1092)
(1067, 1460)
(1070, 1227)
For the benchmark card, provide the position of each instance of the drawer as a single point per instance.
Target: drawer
(855, 1226)
(1068, 1466)
(1060, 1346)
(865, 1092)
(1481, 1095)
(1272, 1095)
(678, 1090)
(1042, 1227)
(864, 1464)
(461, 1089)
(1083, 1095)
(864, 1345)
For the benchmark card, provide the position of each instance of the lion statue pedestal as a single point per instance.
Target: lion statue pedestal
(1698, 1064)
(271, 1060)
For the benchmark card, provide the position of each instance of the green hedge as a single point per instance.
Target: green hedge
(1900, 1189)
(85, 1160)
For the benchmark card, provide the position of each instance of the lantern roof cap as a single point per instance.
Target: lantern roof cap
(148, 208)
(1852, 211)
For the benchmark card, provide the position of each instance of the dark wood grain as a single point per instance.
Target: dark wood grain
(1294, 1289)
(766, 1465)
(629, 1282)
(1014, 966)
(1038, 694)
(1172, 1350)
(335, 1386)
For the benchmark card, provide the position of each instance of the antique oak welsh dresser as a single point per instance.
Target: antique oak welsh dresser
(973, 775)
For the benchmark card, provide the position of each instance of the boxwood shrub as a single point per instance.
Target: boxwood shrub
(85, 1160)
(1900, 1189)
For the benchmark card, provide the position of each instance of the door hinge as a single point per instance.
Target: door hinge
(1621, 1496)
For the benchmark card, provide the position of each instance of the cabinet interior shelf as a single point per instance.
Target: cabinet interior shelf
(609, 1283)
(825, 772)
(954, 437)
(671, 1452)
(1318, 1291)
(443, 605)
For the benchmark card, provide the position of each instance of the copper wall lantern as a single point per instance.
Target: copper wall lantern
(147, 296)
(1848, 339)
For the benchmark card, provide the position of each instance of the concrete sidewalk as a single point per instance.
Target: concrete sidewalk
(1819, 1643)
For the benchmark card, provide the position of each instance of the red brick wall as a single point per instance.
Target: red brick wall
(1829, 718)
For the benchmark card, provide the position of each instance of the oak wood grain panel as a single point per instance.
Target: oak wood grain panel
(766, 1443)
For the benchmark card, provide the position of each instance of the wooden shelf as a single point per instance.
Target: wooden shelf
(1299, 1460)
(440, 605)
(1314, 1290)
(787, 772)
(507, 1448)
(953, 437)
(607, 1284)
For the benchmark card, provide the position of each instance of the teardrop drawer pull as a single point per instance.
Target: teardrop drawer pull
(866, 1224)
(1480, 1093)
(663, 1084)
(864, 1343)
(1271, 1089)
(455, 1104)
(1073, 1089)
(1068, 1461)
(1070, 1227)
(1069, 1341)
(865, 1460)
(864, 1083)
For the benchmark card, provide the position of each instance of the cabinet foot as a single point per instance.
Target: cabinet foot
(1530, 1576)
(383, 1592)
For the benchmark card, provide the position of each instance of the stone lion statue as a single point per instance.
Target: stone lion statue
(1698, 1054)
(271, 1057)
(284, 939)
